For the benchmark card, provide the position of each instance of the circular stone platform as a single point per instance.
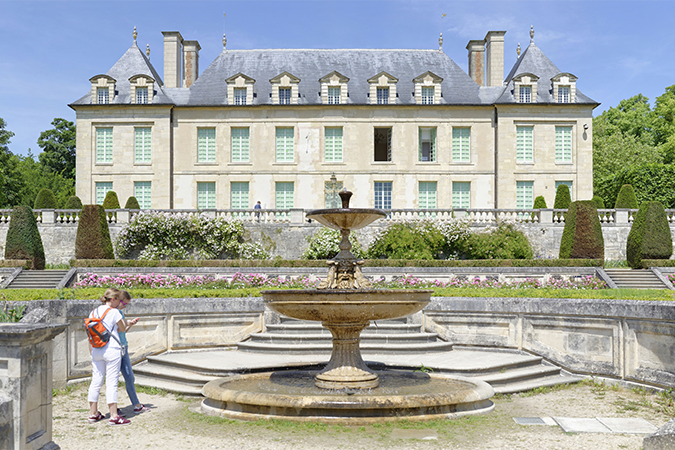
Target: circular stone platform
(292, 395)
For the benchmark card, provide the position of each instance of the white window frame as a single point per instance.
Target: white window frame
(206, 195)
(334, 93)
(141, 95)
(564, 94)
(333, 144)
(461, 194)
(284, 194)
(239, 195)
(285, 94)
(143, 193)
(104, 145)
(240, 144)
(525, 94)
(142, 145)
(427, 135)
(102, 95)
(563, 144)
(206, 145)
(428, 95)
(382, 95)
(102, 188)
(427, 194)
(524, 144)
(240, 96)
(524, 194)
(461, 144)
(383, 191)
(285, 144)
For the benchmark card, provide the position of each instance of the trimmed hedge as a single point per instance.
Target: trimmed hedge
(626, 198)
(649, 236)
(599, 202)
(539, 203)
(111, 201)
(562, 197)
(45, 200)
(322, 263)
(132, 203)
(93, 236)
(582, 236)
(23, 239)
(647, 263)
(73, 202)
(25, 263)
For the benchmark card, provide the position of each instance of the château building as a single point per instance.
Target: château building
(401, 128)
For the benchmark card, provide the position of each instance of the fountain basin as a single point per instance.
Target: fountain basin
(292, 395)
(346, 218)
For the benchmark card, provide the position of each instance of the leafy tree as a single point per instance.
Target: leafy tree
(651, 182)
(663, 123)
(37, 177)
(58, 148)
(11, 180)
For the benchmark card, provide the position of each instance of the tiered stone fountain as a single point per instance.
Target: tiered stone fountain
(346, 391)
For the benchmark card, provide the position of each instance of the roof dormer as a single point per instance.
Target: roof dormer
(334, 88)
(142, 89)
(428, 89)
(102, 89)
(240, 89)
(564, 88)
(382, 89)
(525, 88)
(285, 89)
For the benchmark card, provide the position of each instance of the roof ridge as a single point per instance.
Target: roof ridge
(336, 50)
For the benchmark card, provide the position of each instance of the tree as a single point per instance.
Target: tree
(649, 236)
(23, 238)
(11, 181)
(582, 235)
(626, 198)
(93, 235)
(37, 177)
(562, 197)
(58, 148)
(45, 200)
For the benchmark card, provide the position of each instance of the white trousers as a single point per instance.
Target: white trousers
(106, 362)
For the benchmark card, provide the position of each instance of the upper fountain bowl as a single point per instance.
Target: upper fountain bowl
(346, 218)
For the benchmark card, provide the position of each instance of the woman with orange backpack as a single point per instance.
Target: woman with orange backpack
(106, 360)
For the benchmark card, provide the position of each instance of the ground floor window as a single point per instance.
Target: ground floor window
(206, 195)
(383, 194)
(142, 192)
(102, 189)
(461, 195)
(284, 195)
(239, 195)
(427, 195)
(524, 194)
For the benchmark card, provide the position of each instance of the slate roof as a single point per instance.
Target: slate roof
(533, 60)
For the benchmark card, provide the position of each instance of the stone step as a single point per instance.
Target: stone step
(38, 279)
(326, 347)
(168, 385)
(528, 385)
(507, 377)
(315, 327)
(635, 279)
(322, 338)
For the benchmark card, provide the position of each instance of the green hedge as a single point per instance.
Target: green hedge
(582, 236)
(647, 263)
(649, 236)
(132, 203)
(73, 202)
(322, 263)
(93, 236)
(25, 263)
(111, 201)
(562, 197)
(45, 200)
(626, 198)
(23, 239)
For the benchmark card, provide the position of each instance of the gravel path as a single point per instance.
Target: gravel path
(172, 425)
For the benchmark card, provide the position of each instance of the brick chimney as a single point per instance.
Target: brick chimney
(190, 62)
(494, 43)
(173, 58)
(477, 61)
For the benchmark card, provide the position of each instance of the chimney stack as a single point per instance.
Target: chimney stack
(173, 56)
(191, 62)
(494, 42)
(476, 61)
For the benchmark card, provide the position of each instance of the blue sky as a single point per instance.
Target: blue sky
(50, 49)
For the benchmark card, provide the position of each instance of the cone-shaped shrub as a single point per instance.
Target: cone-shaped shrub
(599, 202)
(582, 236)
(132, 203)
(562, 197)
(45, 200)
(23, 238)
(649, 237)
(626, 198)
(73, 202)
(539, 202)
(93, 236)
(111, 201)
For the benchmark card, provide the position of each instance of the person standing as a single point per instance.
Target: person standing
(106, 360)
(257, 207)
(127, 370)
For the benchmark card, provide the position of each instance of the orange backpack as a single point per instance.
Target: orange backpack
(97, 333)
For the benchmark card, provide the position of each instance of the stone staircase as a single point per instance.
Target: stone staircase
(635, 279)
(393, 345)
(38, 279)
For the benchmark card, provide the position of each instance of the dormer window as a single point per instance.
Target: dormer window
(285, 89)
(564, 87)
(240, 89)
(334, 88)
(142, 89)
(284, 96)
(383, 89)
(102, 89)
(525, 88)
(428, 89)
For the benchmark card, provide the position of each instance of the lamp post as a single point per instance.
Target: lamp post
(333, 187)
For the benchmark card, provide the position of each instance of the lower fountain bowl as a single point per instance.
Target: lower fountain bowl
(292, 395)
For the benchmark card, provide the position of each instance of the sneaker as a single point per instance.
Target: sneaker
(119, 421)
(97, 417)
(140, 409)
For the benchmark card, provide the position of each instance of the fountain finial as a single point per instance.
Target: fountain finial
(345, 195)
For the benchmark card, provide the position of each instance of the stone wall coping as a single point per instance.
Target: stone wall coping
(20, 334)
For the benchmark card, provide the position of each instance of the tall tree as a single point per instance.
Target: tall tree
(663, 122)
(36, 177)
(58, 148)
(11, 180)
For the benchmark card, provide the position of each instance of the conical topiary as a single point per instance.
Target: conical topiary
(93, 236)
(649, 236)
(539, 203)
(582, 236)
(132, 203)
(626, 198)
(111, 201)
(73, 202)
(45, 200)
(562, 197)
(23, 238)
(599, 202)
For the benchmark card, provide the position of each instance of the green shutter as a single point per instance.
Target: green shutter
(240, 144)
(206, 195)
(206, 151)
(104, 145)
(461, 195)
(432, 151)
(563, 144)
(284, 144)
(239, 196)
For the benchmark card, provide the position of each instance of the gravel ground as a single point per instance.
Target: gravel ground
(171, 424)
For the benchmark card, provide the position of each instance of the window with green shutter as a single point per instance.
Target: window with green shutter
(102, 189)
(206, 195)
(142, 145)
(461, 195)
(461, 144)
(206, 151)
(240, 145)
(524, 145)
(104, 145)
(142, 192)
(284, 195)
(427, 194)
(524, 194)
(563, 144)
(333, 145)
(239, 195)
(284, 144)
(427, 144)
